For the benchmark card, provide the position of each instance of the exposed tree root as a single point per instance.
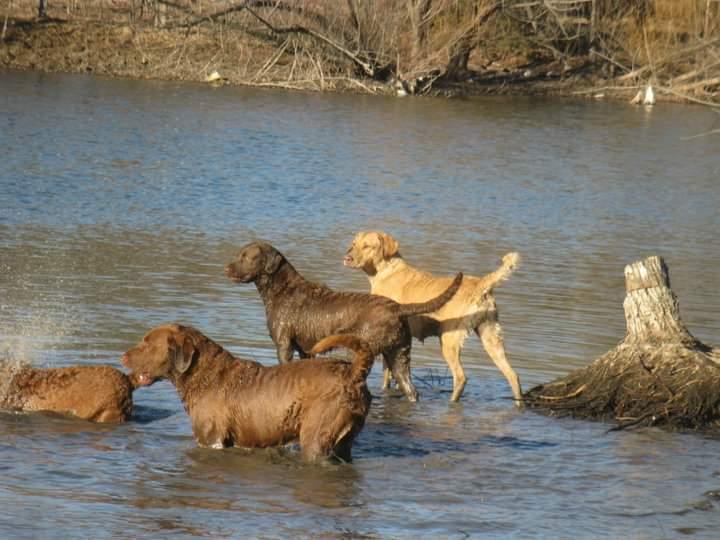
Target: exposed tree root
(659, 374)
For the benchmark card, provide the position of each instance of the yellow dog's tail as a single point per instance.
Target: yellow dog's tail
(509, 263)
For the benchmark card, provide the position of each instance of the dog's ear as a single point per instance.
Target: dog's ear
(272, 262)
(184, 355)
(389, 245)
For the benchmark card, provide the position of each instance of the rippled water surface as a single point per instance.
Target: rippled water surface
(121, 201)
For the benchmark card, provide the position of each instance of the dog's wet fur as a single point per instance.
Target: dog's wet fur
(320, 403)
(300, 313)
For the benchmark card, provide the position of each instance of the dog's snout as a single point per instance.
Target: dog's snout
(125, 360)
(228, 269)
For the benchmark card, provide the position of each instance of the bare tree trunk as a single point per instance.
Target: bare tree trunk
(457, 66)
(706, 25)
(160, 15)
(42, 9)
(659, 374)
(418, 10)
(355, 21)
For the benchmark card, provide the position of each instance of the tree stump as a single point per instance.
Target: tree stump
(659, 374)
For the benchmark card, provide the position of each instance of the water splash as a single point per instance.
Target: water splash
(34, 336)
(9, 367)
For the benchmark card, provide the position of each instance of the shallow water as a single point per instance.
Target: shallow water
(121, 201)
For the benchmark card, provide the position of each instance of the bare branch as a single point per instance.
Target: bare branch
(367, 68)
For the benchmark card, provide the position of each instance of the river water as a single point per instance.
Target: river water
(121, 201)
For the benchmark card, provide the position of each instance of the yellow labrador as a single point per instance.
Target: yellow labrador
(472, 308)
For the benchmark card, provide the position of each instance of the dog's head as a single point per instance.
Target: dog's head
(166, 352)
(254, 260)
(369, 249)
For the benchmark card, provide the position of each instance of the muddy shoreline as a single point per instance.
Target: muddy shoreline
(145, 52)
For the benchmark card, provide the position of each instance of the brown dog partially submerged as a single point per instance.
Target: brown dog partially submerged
(473, 307)
(95, 393)
(320, 403)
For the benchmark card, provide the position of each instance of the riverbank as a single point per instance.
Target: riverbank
(57, 45)
(228, 51)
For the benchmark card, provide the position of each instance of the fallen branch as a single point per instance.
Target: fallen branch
(692, 74)
(687, 97)
(268, 65)
(300, 84)
(566, 396)
(367, 68)
(210, 17)
(714, 81)
(668, 59)
(234, 8)
(608, 88)
(594, 52)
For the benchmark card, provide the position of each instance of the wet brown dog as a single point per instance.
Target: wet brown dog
(300, 313)
(96, 393)
(320, 403)
(472, 308)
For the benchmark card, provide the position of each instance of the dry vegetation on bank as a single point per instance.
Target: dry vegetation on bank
(611, 47)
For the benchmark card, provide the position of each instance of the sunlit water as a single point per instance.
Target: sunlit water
(121, 201)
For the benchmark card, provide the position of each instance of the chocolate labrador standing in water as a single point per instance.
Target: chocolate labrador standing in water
(300, 313)
(320, 403)
(96, 393)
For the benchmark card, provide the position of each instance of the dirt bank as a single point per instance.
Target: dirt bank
(145, 52)
(325, 46)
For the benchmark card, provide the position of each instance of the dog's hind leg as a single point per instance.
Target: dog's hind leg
(490, 333)
(387, 375)
(398, 360)
(284, 351)
(451, 344)
(326, 433)
(343, 447)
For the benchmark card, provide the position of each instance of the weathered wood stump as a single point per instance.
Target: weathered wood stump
(659, 374)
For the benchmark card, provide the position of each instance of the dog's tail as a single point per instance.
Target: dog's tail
(362, 360)
(436, 303)
(510, 262)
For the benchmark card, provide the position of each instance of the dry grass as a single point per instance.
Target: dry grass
(323, 44)
(674, 47)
